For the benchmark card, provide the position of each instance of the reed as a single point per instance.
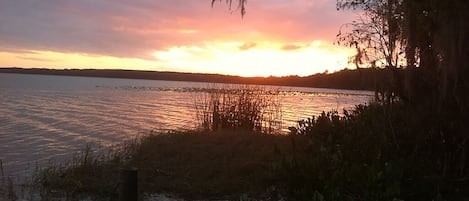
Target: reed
(245, 108)
(7, 187)
(89, 173)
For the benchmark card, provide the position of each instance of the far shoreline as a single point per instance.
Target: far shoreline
(359, 80)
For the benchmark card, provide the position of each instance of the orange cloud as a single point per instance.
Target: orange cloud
(247, 46)
(291, 47)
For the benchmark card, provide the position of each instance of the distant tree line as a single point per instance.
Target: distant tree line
(362, 79)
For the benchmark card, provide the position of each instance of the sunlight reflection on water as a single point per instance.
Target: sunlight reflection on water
(47, 118)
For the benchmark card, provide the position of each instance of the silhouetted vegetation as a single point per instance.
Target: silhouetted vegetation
(368, 153)
(240, 6)
(373, 153)
(429, 39)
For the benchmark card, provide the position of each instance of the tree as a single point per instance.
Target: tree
(240, 6)
(374, 35)
(429, 35)
(434, 35)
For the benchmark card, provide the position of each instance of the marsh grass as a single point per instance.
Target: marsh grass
(247, 108)
(8, 189)
(88, 173)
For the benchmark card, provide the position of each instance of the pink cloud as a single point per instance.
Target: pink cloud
(135, 29)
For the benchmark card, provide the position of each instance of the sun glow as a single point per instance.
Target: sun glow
(222, 57)
(257, 59)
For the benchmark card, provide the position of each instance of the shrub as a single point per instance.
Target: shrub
(378, 152)
(346, 157)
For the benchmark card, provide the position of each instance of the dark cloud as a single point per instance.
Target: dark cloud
(137, 28)
(247, 46)
(15, 50)
(35, 59)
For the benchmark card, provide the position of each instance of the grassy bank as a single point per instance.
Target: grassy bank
(191, 165)
(209, 165)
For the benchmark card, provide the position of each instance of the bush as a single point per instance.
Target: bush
(377, 152)
(346, 158)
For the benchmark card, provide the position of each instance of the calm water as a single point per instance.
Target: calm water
(50, 118)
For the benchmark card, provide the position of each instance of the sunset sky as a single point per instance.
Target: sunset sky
(275, 37)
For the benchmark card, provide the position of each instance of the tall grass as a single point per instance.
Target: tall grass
(245, 108)
(7, 186)
(88, 174)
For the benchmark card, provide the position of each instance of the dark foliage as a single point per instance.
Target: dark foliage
(374, 153)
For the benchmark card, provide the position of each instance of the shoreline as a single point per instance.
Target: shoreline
(357, 80)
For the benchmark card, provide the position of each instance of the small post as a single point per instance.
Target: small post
(128, 184)
(1, 171)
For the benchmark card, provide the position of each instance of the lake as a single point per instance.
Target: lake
(47, 118)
